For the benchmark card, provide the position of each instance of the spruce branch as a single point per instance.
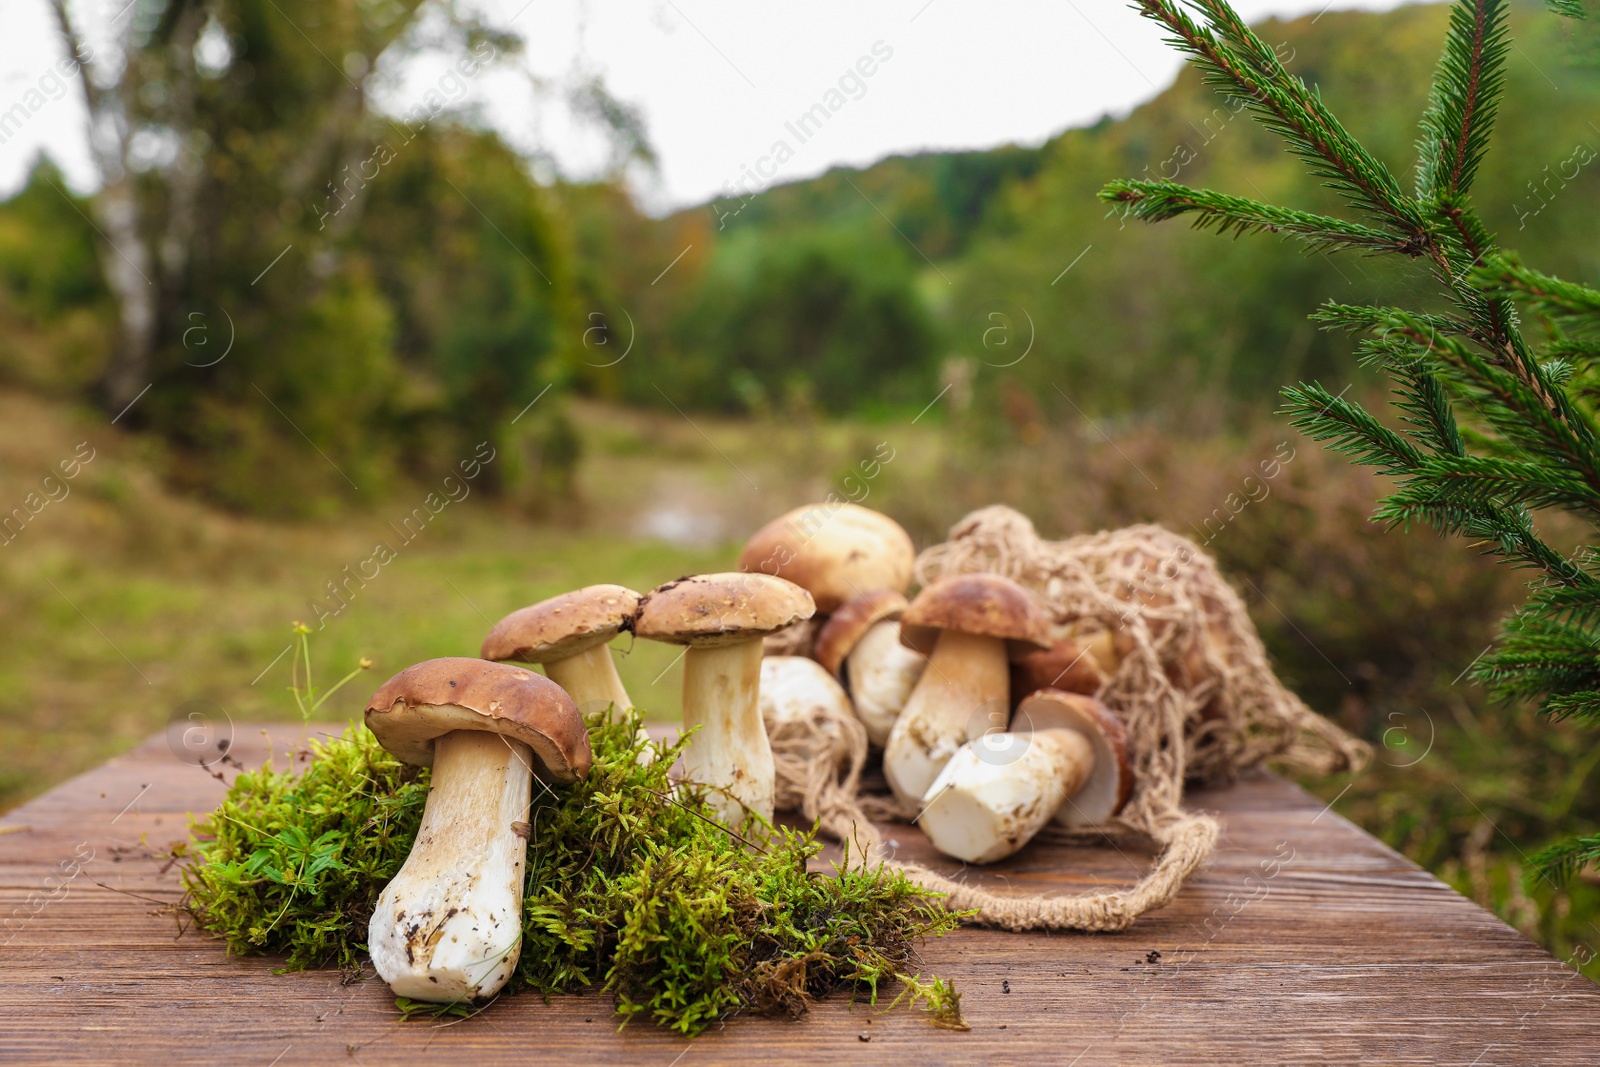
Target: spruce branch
(1561, 861)
(1466, 91)
(1504, 275)
(1492, 428)
(1349, 429)
(1425, 405)
(1476, 482)
(1540, 656)
(1353, 317)
(1156, 201)
(1285, 105)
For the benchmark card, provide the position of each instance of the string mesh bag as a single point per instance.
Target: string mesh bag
(1191, 682)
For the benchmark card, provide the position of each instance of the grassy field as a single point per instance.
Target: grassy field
(125, 602)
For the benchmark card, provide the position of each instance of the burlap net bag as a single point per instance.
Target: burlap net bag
(1192, 685)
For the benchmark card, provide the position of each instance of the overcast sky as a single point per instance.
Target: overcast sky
(721, 82)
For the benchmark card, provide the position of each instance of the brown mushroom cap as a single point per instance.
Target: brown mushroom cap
(1111, 781)
(720, 609)
(847, 626)
(794, 641)
(1076, 663)
(439, 696)
(562, 626)
(835, 552)
(985, 604)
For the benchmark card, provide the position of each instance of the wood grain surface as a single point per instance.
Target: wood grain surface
(1304, 941)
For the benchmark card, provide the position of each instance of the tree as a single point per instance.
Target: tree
(1494, 427)
(277, 245)
(828, 315)
(179, 88)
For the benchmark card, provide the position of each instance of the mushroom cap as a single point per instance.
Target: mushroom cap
(720, 609)
(849, 624)
(834, 551)
(562, 626)
(439, 696)
(1076, 663)
(795, 641)
(1111, 781)
(986, 604)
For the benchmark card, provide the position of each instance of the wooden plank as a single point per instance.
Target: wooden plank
(1346, 953)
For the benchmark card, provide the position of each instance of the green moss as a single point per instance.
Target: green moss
(631, 887)
(293, 860)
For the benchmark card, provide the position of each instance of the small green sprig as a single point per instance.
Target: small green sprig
(305, 696)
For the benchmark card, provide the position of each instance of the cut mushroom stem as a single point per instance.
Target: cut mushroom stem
(1065, 758)
(730, 753)
(966, 675)
(448, 926)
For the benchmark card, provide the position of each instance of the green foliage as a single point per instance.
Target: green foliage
(326, 297)
(418, 320)
(831, 317)
(47, 252)
(54, 307)
(1493, 430)
(630, 887)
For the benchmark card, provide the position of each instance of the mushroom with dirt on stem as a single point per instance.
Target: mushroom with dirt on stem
(722, 618)
(965, 625)
(860, 645)
(448, 927)
(1064, 757)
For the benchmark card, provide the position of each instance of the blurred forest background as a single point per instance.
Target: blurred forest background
(304, 315)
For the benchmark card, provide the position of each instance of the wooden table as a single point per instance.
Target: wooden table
(1346, 953)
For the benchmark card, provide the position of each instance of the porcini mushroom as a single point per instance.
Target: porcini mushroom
(860, 646)
(1077, 663)
(448, 927)
(794, 688)
(834, 551)
(568, 635)
(795, 641)
(1065, 756)
(964, 625)
(722, 618)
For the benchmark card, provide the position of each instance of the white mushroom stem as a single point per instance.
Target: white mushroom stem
(966, 682)
(1000, 789)
(882, 674)
(590, 678)
(730, 753)
(448, 927)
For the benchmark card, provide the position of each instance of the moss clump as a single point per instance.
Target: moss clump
(292, 861)
(631, 886)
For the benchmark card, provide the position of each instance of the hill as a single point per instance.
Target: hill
(878, 286)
